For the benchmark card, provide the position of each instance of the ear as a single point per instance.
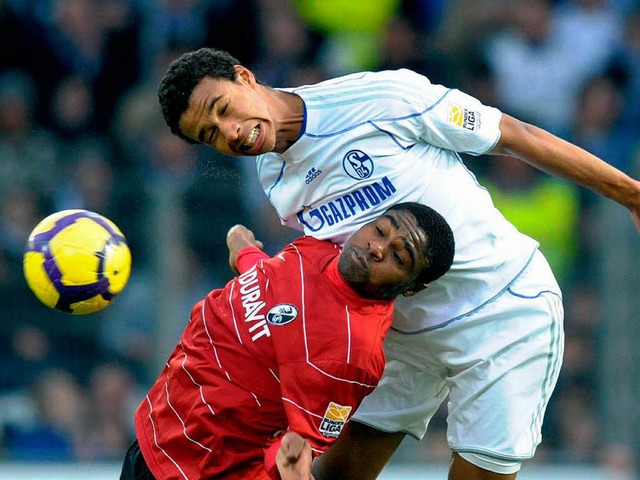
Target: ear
(415, 289)
(244, 75)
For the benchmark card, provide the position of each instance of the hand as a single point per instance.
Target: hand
(239, 237)
(294, 458)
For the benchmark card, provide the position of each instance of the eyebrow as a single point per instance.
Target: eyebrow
(210, 109)
(407, 244)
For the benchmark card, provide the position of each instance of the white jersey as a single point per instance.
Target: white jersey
(371, 140)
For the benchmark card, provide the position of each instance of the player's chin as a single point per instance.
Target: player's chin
(352, 272)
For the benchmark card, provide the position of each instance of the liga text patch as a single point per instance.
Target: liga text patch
(334, 419)
(463, 117)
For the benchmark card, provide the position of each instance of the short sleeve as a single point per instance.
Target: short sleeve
(443, 117)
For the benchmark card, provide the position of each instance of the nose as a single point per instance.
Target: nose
(376, 249)
(230, 129)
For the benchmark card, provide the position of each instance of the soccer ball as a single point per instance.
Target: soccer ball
(76, 261)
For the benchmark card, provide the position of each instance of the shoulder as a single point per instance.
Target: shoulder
(310, 247)
(317, 251)
(341, 103)
(365, 86)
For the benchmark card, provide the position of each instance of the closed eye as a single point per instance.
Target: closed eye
(398, 258)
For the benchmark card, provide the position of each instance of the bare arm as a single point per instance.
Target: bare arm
(553, 155)
(239, 237)
(360, 452)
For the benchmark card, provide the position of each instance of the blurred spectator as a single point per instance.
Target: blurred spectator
(97, 40)
(402, 47)
(463, 31)
(112, 401)
(56, 429)
(601, 127)
(89, 180)
(628, 58)
(593, 31)
(27, 151)
(286, 45)
(126, 331)
(578, 440)
(72, 108)
(539, 66)
(25, 358)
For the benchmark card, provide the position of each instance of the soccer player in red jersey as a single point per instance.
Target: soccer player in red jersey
(293, 344)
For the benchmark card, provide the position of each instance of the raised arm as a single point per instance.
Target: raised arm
(240, 237)
(553, 155)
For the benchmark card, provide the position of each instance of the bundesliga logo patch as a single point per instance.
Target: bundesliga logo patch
(463, 117)
(334, 419)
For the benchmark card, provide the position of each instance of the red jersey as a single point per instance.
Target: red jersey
(286, 345)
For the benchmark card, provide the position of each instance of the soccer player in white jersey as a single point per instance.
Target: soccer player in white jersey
(334, 155)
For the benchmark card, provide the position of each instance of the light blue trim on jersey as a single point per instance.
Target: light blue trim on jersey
(303, 130)
(335, 81)
(471, 174)
(389, 119)
(470, 312)
(277, 179)
(531, 297)
(393, 138)
(351, 101)
(317, 95)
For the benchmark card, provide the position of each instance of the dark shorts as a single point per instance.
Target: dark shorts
(134, 466)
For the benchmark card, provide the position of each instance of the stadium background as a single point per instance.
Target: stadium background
(80, 128)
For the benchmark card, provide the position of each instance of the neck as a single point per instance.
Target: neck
(288, 111)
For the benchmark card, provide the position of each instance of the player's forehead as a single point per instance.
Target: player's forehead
(210, 86)
(406, 226)
(203, 96)
(401, 220)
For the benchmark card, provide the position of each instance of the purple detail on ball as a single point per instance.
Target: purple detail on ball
(40, 241)
(70, 294)
(108, 295)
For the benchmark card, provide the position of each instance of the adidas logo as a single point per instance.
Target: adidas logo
(311, 175)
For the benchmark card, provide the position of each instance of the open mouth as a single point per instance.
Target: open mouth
(251, 139)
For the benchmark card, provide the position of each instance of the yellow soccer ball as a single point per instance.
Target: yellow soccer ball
(77, 261)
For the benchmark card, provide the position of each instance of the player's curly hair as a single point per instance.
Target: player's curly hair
(182, 77)
(440, 247)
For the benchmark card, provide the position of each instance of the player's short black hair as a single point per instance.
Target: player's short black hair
(182, 77)
(440, 246)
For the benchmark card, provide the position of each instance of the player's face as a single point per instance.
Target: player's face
(231, 117)
(383, 258)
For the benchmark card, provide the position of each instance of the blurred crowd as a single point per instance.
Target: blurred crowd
(80, 127)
